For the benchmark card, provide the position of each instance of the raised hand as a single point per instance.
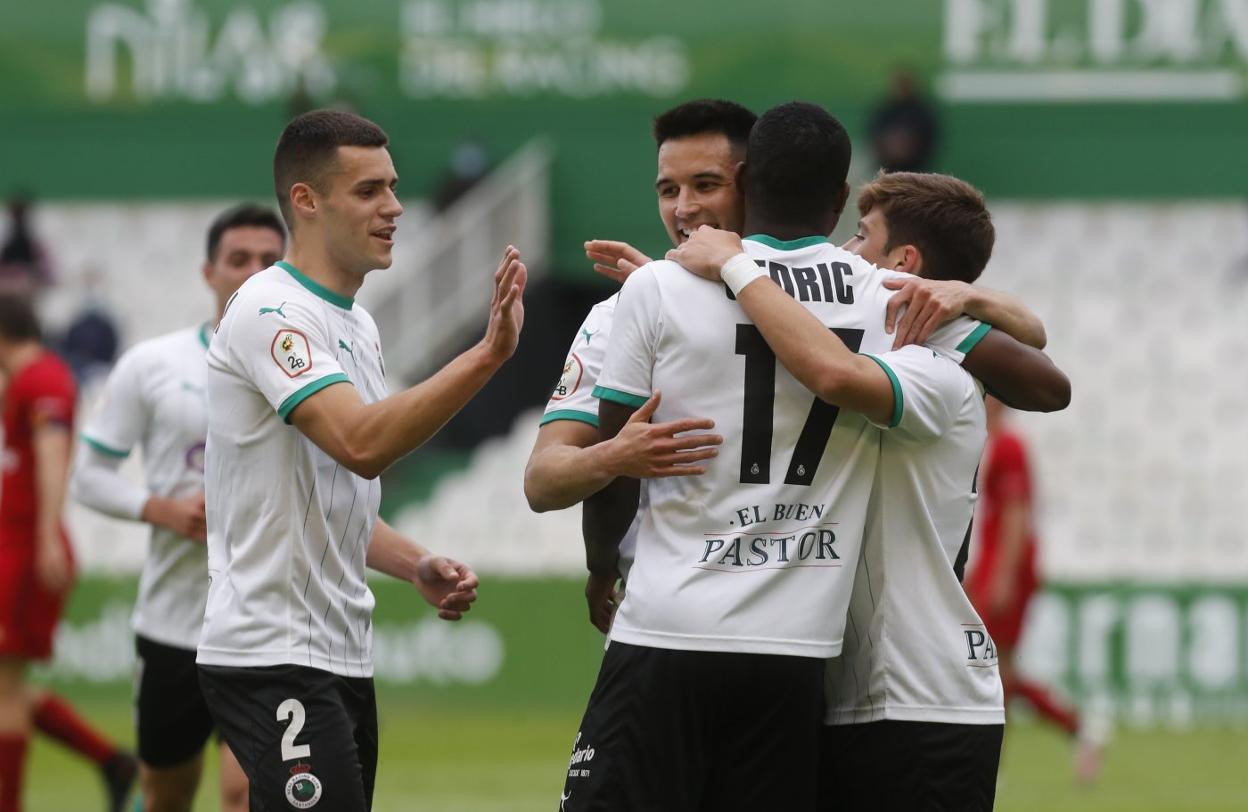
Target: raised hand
(502, 333)
(614, 259)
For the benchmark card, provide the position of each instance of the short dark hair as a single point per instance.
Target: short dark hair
(246, 214)
(308, 146)
(797, 162)
(942, 216)
(18, 321)
(703, 116)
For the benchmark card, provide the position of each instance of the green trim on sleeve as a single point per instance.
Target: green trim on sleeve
(899, 403)
(203, 335)
(336, 299)
(622, 398)
(289, 404)
(570, 414)
(974, 338)
(106, 450)
(787, 245)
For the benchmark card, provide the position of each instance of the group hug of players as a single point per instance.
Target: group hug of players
(785, 486)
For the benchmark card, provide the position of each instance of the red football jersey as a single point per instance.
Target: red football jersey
(41, 393)
(1004, 476)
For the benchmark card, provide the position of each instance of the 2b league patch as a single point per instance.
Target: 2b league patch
(292, 352)
(570, 380)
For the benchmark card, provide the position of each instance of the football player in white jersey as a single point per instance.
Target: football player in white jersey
(155, 400)
(917, 681)
(699, 145)
(299, 428)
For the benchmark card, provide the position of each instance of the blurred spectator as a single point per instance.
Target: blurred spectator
(469, 164)
(24, 266)
(90, 342)
(904, 128)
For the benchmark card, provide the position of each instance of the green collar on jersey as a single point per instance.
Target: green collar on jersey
(325, 293)
(203, 335)
(787, 245)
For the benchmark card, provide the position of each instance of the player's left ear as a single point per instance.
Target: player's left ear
(907, 259)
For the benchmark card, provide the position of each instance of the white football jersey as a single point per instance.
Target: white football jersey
(155, 399)
(758, 554)
(915, 649)
(573, 398)
(288, 527)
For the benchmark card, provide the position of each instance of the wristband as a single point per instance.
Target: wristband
(739, 272)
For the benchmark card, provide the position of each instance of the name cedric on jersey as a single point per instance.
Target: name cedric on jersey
(808, 546)
(825, 282)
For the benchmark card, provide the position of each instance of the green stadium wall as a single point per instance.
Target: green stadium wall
(1172, 655)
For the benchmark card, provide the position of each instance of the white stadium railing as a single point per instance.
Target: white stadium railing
(437, 294)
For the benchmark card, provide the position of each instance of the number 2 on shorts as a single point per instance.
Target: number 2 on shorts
(292, 709)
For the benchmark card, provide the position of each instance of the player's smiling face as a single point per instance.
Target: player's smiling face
(697, 185)
(360, 208)
(242, 251)
(871, 240)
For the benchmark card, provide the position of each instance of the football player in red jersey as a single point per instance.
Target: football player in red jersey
(1004, 577)
(36, 561)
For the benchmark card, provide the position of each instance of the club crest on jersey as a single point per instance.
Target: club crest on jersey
(292, 352)
(570, 380)
(303, 790)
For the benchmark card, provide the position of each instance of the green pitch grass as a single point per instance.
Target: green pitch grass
(449, 760)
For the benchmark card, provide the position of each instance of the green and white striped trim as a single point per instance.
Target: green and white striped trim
(289, 404)
(570, 414)
(106, 450)
(622, 398)
(899, 403)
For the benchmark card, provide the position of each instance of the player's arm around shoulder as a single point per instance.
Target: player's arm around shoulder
(921, 305)
(812, 353)
(1000, 344)
(369, 438)
(1022, 377)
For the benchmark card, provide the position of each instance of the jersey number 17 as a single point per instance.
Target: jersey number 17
(760, 402)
